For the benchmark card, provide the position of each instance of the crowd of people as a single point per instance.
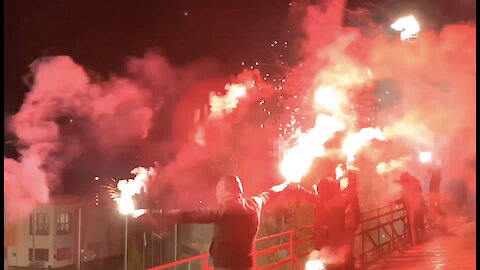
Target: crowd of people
(336, 218)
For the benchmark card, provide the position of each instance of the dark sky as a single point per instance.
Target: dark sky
(100, 34)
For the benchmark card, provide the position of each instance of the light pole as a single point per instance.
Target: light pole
(79, 237)
(125, 266)
(34, 228)
(176, 244)
(143, 253)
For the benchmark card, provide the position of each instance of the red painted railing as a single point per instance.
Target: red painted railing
(382, 222)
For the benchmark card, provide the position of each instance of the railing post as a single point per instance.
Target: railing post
(405, 225)
(391, 222)
(205, 262)
(255, 255)
(362, 235)
(380, 248)
(292, 255)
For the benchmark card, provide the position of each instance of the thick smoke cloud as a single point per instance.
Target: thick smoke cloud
(421, 95)
(62, 90)
(69, 111)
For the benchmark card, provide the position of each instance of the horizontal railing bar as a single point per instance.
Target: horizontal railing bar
(168, 265)
(274, 236)
(283, 234)
(282, 246)
(382, 215)
(272, 249)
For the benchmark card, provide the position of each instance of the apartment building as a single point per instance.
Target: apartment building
(54, 233)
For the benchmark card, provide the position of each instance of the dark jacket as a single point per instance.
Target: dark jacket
(329, 214)
(412, 196)
(236, 227)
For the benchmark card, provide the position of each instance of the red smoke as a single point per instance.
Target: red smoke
(430, 107)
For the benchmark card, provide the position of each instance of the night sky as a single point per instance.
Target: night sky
(99, 35)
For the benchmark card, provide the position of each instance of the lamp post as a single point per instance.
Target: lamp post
(79, 258)
(126, 244)
(143, 253)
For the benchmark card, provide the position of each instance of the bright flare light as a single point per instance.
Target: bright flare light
(327, 98)
(408, 26)
(229, 100)
(314, 265)
(338, 171)
(298, 159)
(425, 157)
(129, 187)
(355, 141)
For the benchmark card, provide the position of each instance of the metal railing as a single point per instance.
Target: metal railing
(379, 228)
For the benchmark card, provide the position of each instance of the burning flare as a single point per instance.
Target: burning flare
(328, 98)
(339, 171)
(130, 187)
(314, 265)
(408, 27)
(298, 159)
(341, 176)
(425, 157)
(355, 141)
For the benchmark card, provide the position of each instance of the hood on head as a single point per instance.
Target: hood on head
(229, 187)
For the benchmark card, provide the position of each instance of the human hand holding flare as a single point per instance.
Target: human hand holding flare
(281, 187)
(347, 175)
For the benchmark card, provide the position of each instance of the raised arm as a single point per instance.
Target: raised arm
(349, 194)
(264, 197)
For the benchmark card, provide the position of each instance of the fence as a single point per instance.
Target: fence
(379, 229)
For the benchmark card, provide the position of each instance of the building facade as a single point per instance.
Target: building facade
(53, 234)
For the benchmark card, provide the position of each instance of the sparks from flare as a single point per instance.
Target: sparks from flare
(130, 187)
(407, 26)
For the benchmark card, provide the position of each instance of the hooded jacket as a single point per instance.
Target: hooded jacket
(236, 227)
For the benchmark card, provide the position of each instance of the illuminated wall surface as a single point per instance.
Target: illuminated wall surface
(57, 245)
